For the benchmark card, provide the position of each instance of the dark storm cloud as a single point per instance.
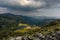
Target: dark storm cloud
(28, 5)
(22, 5)
(51, 3)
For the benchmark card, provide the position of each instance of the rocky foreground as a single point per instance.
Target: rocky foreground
(37, 36)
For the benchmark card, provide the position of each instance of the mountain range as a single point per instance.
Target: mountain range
(18, 25)
(34, 20)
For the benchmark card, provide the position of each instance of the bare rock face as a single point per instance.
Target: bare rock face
(38, 36)
(58, 35)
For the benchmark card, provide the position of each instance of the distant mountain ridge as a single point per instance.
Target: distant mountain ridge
(42, 20)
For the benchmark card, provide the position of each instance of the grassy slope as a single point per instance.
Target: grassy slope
(51, 27)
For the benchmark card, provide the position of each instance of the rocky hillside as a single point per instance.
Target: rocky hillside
(13, 26)
(50, 31)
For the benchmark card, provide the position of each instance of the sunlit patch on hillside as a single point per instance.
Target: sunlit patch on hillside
(25, 28)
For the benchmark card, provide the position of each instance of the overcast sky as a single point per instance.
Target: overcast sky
(31, 7)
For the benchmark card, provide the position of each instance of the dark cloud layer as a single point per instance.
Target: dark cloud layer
(20, 6)
(29, 5)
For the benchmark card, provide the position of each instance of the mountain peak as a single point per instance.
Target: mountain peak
(8, 14)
